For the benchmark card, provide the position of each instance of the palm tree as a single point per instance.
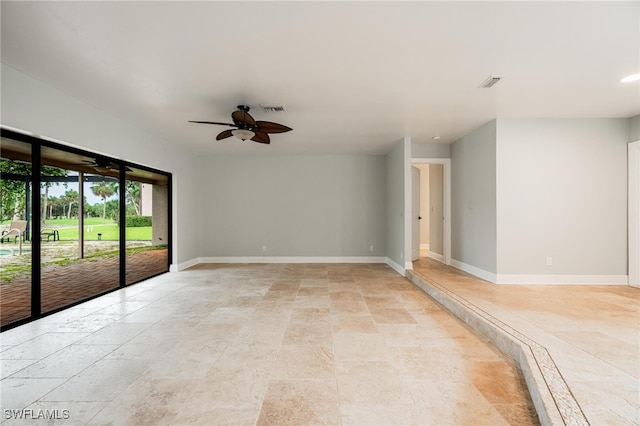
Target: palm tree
(133, 194)
(104, 190)
(70, 197)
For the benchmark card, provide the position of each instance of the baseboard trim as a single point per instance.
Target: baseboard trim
(563, 279)
(396, 267)
(424, 246)
(274, 259)
(436, 256)
(293, 259)
(473, 270)
(184, 265)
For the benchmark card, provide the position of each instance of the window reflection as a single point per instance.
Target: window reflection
(147, 225)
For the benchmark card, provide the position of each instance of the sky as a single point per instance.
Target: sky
(58, 190)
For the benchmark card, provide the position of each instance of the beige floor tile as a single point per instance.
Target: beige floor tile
(362, 324)
(304, 362)
(300, 402)
(391, 316)
(383, 414)
(308, 334)
(347, 307)
(147, 401)
(310, 315)
(350, 347)
(272, 344)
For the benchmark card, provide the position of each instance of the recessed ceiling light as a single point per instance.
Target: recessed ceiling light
(630, 78)
(436, 138)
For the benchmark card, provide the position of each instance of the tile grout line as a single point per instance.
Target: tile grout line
(569, 409)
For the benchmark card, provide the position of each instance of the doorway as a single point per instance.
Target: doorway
(431, 228)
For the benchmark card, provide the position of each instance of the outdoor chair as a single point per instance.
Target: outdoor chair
(16, 230)
(50, 233)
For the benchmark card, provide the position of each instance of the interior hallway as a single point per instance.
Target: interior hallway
(591, 332)
(262, 344)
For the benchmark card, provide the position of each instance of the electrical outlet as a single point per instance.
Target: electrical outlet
(549, 261)
(370, 248)
(264, 248)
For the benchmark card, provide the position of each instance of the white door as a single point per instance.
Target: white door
(415, 213)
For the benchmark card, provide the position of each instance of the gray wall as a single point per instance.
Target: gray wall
(562, 193)
(436, 208)
(634, 128)
(31, 105)
(293, 205)
(473, 198)
(430, 150)
(395, 204)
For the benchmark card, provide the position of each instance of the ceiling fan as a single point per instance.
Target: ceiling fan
(248, 128)
(103, 166)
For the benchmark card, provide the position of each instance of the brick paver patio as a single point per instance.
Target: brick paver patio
(63, 285)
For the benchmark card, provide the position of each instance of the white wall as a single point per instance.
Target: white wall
(295, 206)
(33, 106)
(473, 202)
(562, 193)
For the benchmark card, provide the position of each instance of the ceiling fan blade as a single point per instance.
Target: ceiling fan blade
(241, 116)
(224, 135)
(269, 127)
(261, 138)
(213, 122)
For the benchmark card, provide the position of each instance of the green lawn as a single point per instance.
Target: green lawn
(68, 230)
(110, 232)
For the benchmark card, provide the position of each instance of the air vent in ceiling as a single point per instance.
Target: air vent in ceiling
(273, 108)
(489, 82)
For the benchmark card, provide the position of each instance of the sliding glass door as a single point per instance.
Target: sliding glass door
(75, 225)
(147, 219)
(16, 171)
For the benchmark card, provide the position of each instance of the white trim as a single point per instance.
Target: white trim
(634, 213)
(399, 269)
(563, 279)
(293, 259)
(184, 265)
(480, 273)
(408, 225)
(446, 163)
(436, 256)
(424, 246)
(273, 259)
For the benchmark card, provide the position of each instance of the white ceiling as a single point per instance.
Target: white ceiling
(355, 76)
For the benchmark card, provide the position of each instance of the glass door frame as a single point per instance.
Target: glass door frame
(36, 215)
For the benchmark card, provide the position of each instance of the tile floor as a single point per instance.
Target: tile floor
(591, 332)
(64, 285)
(260, 344)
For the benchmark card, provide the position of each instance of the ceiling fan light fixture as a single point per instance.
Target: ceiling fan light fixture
(101, 169)
(630, 78)
(243, 134)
